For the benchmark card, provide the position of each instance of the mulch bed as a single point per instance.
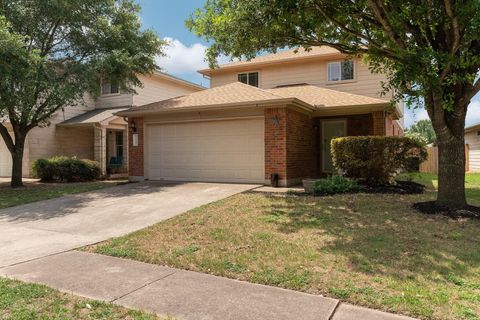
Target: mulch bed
(402, 187)
(431, 208)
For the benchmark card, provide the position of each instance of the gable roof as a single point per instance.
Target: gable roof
(178, 80)
(233, 94)
(322, 97)
(290, 55)
(238, 94)
(92, 117)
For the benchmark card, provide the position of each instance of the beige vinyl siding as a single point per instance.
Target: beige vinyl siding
(157, 89)
(312, 72)
(473, 141)
(49, 141)
(5, 160)
(114, 100)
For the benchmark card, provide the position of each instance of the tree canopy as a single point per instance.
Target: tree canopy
(424, 129)
(429, 51)
(53, 52)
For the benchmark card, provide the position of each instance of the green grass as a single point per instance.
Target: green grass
(36, 191)
(366, 249)
(23, 301)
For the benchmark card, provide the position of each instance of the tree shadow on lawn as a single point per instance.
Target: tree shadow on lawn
(384, 236)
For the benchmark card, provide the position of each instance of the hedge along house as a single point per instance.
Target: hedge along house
(273, 115)
(91, 130)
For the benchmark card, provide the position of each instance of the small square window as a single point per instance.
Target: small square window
(110, 88)
(478, 133)
(249, 78)
(341, 70)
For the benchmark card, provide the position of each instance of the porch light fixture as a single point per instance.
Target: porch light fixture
(133, 126)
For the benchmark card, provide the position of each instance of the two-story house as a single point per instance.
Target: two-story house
(91, 130)
(275, 114)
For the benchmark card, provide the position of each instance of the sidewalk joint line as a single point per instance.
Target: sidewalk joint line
(335, 310)
(142, 286)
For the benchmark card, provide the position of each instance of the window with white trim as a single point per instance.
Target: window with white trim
(250, 78)
(110, 88)
(341, 70)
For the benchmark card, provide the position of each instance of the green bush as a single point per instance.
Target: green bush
(66, 169)
(375, 160)
(335, 184)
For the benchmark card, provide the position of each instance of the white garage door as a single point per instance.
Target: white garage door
(5, 160)
(220, 151)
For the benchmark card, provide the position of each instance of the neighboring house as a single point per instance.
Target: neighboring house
(472, 148)
(91, 130)
(275, 114)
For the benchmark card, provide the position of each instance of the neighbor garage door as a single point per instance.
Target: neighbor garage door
(5, 160)
(221, 151)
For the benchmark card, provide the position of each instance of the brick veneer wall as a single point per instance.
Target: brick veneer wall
(301, 143)
(393, 128)
(289, 145)
(136, 154)
(379, 123)
(276, 142)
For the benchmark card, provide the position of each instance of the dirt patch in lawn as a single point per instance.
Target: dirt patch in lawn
(401, 187)
(432, 208)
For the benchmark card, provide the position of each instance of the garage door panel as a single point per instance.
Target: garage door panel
(230, 151)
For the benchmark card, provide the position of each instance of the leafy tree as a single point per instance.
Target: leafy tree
(424, 129)
(429, 50)
(53, 52)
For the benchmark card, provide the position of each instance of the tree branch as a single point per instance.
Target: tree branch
(380, 14)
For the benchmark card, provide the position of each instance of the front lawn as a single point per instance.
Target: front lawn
(20, 300)
(367, 249)
(36, 191)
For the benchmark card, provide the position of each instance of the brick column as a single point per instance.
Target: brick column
(276, 143)
(378, 123)
(136, 153)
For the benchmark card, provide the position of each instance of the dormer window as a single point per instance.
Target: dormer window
(250, 78)
(341, 70)
(109, 88)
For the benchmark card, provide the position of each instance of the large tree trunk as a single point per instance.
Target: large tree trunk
(17, 162)
(451, 172)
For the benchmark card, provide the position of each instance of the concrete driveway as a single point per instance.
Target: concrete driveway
(43, 228)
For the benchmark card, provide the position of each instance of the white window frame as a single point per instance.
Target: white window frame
(248, 72)
(110, 91)
(340, 63)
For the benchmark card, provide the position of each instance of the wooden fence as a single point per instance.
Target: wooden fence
(431, 164)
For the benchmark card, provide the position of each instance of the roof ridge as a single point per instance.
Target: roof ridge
(331, 90)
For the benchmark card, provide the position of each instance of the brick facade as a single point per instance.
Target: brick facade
(136, 154)
(378, 123)
(276, 142)
(392, 128)
(290, 145)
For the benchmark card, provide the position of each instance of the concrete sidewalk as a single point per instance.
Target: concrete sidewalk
(178, 293)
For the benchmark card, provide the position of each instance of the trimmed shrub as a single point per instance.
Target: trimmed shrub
(66, 169)
(375, 160)
(334, 185)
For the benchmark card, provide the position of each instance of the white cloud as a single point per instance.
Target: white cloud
(182, 59)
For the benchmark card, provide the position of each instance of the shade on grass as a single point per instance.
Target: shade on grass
(367, 249)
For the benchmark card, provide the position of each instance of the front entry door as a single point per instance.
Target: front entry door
(330, 130)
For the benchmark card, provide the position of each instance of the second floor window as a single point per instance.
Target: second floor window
(341, 70)
(109, 88)
(250, 78)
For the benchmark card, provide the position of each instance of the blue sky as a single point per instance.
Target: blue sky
(185, 55)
